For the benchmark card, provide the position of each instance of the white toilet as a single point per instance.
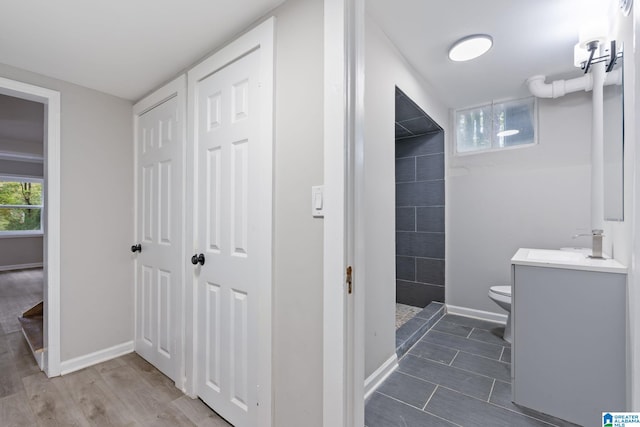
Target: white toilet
(502, 296)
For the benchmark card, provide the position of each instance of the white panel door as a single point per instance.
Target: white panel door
(159, 232)
(233, 238)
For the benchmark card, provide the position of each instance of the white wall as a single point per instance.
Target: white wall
(297, 316)
(527, 197)
(96, 282)
(20, 251)
(385, 69)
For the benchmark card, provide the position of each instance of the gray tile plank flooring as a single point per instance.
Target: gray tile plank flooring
(126, 391)
(470, 346)
(467, 411)
(494, 336)
(484, 366)
(473, 323)
(433, 352)
(408, 389)
(383, 411)
(457, 379)
(506, 355)
(452, 328)
(501, 396)
(467, 365)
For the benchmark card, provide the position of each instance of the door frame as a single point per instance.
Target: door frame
(335, 336)
(177, 88)
(260, 38)
(343, 341)
(51, 295)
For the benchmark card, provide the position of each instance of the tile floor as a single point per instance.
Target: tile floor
(457, 374)
(410, 332)
(404, 313)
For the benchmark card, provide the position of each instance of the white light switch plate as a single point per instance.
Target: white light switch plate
(317, 201)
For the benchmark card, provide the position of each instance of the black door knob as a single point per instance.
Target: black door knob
(136, 248)
(197, 259)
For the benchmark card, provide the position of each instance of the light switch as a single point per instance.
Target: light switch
(317, 201)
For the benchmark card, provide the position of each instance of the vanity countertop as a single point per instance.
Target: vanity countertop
(568, 260)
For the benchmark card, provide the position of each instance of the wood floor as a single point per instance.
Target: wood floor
(126, 391)
(19, 290)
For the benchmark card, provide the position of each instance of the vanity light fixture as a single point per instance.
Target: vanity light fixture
(592, 47)
(508, 132)
(625, 6)
(470, 47)
(584, 55)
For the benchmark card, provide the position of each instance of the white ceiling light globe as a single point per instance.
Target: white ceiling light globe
(470, 47)
(508, 132)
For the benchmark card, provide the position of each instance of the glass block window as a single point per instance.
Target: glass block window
(496, 126)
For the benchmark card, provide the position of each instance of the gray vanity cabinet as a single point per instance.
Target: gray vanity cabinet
(569, 351)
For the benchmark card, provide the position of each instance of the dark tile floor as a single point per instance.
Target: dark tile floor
(457, 374)
(413, 329)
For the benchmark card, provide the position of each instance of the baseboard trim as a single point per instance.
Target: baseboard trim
(374, 380)
(21, 266)
(75, 364)
(477, 314)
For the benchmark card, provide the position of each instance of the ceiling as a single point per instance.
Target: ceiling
(530, 37)
(128, 48)
(124, 48)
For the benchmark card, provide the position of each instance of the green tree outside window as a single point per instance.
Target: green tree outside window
(16, 199)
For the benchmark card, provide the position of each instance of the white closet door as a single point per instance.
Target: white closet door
(233, 238)
(160, 263)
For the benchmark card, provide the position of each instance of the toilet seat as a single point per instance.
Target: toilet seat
(501, 295)
(502, 290)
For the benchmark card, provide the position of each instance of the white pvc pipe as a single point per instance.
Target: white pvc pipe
(597, 148)
(559, 88)
(594, 81)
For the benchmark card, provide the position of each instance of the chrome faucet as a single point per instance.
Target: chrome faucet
(596, 246)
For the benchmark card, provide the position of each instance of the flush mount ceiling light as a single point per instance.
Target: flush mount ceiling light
(508, 132)
(470, 47)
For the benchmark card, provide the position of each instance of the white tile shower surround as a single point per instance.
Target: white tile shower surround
(457, 374)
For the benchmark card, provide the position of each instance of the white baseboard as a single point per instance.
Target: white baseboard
(477, 314)
(75, 364)
(374, 380)
(20, 266)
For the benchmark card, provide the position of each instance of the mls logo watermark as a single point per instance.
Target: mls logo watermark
(620, 419)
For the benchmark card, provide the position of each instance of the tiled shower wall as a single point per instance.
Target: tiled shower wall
(420, 219)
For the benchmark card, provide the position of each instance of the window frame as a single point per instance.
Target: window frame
(7, 234)
(493, 148)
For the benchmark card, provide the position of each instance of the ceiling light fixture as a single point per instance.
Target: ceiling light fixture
(470, 47)
(508, 132)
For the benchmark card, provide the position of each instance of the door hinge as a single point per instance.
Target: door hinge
(349, 280)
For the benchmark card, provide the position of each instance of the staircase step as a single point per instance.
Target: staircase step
(36, 310)
(33, 330)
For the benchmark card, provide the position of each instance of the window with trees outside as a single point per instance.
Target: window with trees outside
(21, 203)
